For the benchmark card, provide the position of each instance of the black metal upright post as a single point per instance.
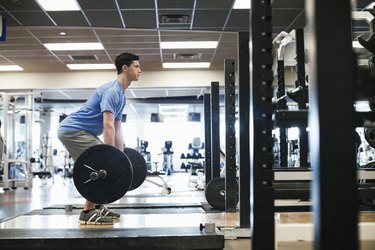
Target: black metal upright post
(302, 103)
(230, 137)
(281, 105)
(243, 103)
(331, 123)
(215, 130)
(261, 125)
(207, 137)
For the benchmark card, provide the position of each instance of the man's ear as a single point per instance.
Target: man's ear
(124, 68)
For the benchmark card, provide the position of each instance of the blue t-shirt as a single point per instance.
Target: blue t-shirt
(108, 97)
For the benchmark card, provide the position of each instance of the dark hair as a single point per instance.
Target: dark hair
(124, 58)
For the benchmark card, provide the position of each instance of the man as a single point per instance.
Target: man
(101, 114)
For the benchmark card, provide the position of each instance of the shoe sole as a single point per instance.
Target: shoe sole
(94, 223)
(111, 217)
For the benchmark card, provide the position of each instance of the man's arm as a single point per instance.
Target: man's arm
(119, 142)
(109, 131)
(112, 131)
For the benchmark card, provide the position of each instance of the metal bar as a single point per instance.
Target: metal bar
(207, 135)
(230, 137)
(5, 138)
(335, 210)
(281, 104)
(302, 103)
(260, 127)
(243, 103)
(215, 130)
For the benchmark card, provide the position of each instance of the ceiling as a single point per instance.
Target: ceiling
(136, 26)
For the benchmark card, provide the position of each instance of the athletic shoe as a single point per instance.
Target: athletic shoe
(93, 217)
(106, 213)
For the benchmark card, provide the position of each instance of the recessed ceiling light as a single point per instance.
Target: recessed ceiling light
(89, 66)
(62, 33)
(74, 46)
(242, 4)
(59, 5)
(10, 68)
(186, 65)
(189, 45)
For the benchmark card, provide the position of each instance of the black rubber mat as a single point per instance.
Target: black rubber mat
(109, 238)
(134, 205)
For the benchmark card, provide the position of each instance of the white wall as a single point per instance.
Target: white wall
(89, 79)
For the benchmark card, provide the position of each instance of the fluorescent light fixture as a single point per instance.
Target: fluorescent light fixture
(356, 44)
(242, 4)
(10, 68)
(186, 65)
(59, 5)
(173, 110)
(89, 66)
(74, 46)
(189, 45)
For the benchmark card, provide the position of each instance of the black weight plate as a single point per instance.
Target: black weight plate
(215, 193)
(139, 167)
(117, 181)
(370, 136)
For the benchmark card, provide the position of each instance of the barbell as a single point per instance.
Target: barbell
(103, 174)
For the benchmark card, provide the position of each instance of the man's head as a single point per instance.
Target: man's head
(124, 59)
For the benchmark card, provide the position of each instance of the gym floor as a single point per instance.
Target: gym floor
(46, 206)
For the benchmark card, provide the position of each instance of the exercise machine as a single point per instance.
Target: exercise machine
(153, 174)
(194, 162)
(17, 105)
(167, 158)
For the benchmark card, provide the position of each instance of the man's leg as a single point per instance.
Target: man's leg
(76, 142)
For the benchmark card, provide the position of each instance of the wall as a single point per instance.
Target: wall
(89, 79)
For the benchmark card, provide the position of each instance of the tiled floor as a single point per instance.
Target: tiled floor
(44, 193)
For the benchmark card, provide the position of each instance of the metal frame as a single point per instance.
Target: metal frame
(9, 111)
(281, 104)
(207, 135)
(243, 103)
(215, 130)
(260, 128)
(335, 224)
(302, 103)
(230, 137)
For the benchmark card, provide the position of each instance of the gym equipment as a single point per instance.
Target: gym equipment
(370, 136)
(139, 167)
(167, 158)
(368, 44)
(17, 105)
(103, 174)
(215, 193)
(194, 155)
(146, 154)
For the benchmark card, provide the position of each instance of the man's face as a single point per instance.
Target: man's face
(134, 70)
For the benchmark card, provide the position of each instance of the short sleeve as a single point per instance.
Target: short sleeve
(110, 100)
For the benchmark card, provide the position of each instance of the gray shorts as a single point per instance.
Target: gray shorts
(76, 142)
